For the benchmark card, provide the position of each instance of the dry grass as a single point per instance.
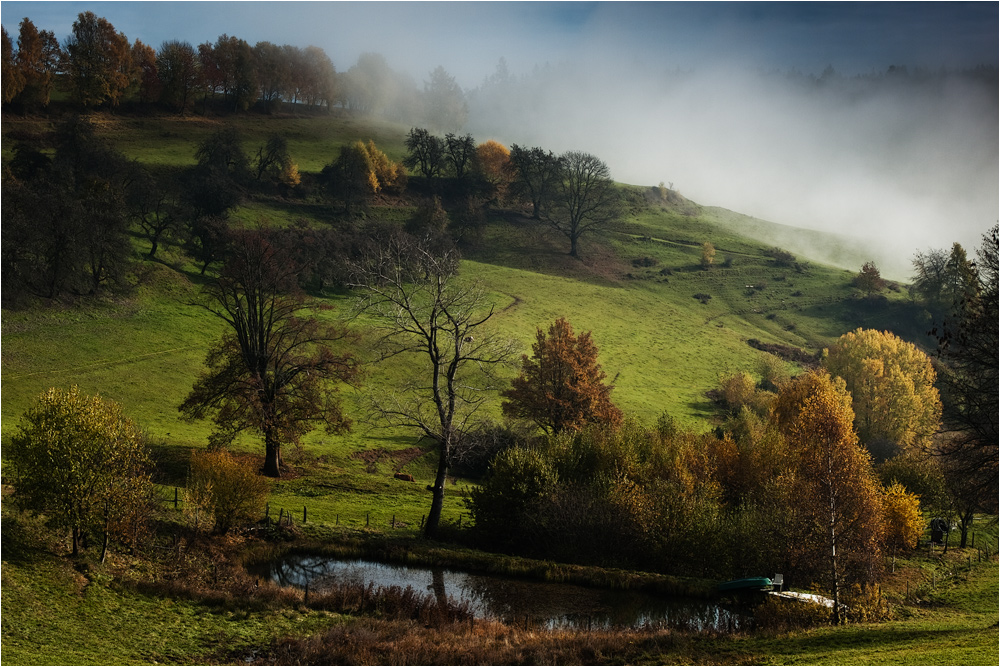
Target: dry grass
(376, 642)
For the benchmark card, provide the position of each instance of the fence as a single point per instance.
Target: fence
(286, 517)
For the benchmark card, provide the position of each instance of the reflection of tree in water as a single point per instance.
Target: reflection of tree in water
(437, 585)
(510, 600)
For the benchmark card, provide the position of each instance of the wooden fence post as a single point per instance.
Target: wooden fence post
(304, 514)
(366, 519)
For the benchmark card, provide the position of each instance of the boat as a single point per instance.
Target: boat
(745, 585)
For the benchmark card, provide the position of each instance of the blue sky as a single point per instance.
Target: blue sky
(468, 38)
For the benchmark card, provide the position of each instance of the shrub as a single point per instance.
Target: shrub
(781, 615)
(704, 298)
(83, 463)
(227, 488)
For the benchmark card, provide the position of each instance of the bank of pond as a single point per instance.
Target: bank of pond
(510, 599)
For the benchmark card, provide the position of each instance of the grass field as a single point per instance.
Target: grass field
(634, 289)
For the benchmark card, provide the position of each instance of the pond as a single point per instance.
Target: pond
(514, 600)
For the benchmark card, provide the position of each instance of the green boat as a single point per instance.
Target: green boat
(745, 585)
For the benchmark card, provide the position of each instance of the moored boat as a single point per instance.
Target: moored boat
(745, 585)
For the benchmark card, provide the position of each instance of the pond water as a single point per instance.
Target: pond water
(514, 600)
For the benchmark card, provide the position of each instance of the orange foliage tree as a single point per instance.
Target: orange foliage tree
(494, 166)
(839, 504)
(561, 387)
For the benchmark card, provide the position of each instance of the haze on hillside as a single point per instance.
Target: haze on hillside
(732, 103)
(905, 163)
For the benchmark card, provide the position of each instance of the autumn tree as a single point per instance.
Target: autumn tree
(79, 460)
(274, 164)
(904, 524)
(869, 279)
(147, 84)
(98, 62)
(12, 81)
(36, 62)
(538, 174)
(221, 487)
(585, 200)
(494, 166)
(274, 369)
(360, 172)
(424, 314)
(707, 255)
(838, 510)
(895, 402)
(561, 386)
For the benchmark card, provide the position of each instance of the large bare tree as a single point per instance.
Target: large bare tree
(424, 313)
(272, 372)
(585, 200)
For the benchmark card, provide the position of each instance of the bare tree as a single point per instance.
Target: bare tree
(586, 199)
(423, 312)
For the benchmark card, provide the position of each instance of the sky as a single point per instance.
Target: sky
(906, 169)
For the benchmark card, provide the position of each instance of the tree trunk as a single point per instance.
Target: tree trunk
(437, 502)
(272, 456)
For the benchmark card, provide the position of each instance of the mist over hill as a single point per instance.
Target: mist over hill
(900, 161)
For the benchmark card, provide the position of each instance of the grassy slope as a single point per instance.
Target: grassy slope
(663, 346)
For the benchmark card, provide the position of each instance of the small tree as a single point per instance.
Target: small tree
(903, 522)
(493, 164)
(707, 255)
(226, 489)
(869, 279)
(561, 386)
(79, 460)
(426, 153)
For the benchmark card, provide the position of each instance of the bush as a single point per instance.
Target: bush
(704, 298)
(227, 488)
(781, 615)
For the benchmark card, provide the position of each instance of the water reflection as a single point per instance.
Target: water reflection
(513, 600)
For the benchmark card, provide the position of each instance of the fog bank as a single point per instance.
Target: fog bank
(907, 160)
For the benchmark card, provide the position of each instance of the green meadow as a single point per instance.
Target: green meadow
(634, 289)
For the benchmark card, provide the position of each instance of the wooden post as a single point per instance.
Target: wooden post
(338, 520)
(393, 520)
(304, 514)
(281, 516)
(366, 519)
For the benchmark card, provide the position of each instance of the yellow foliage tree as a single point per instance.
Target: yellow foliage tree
(226, 489)
(82, 462)
(838, 508)
(903, 523)
(895, 402)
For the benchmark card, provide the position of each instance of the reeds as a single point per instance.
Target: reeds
(378, 642)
